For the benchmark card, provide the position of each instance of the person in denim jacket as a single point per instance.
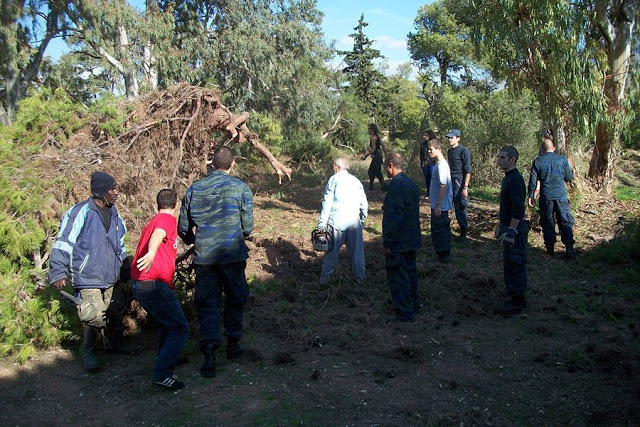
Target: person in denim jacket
(553, 171)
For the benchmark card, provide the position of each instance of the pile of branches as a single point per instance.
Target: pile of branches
(179, 125)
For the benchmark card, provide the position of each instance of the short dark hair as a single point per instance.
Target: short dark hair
(511, 152)
(222, 158)
(394, 159)
(167, 198)
(435, 143)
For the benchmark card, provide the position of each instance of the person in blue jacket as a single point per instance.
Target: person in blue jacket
(552, 171)
(88, 254)
(401, 238)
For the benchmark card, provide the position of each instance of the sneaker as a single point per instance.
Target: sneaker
(170, 383)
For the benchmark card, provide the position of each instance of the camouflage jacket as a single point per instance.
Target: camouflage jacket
(217, 214)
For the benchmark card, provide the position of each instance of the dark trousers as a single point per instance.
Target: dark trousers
(441, 232)
(375, 171)
(552, 211)
(211, 281)
(427, 171)
(460, 204)
(514, 258)
(402, 276)
(173, 329)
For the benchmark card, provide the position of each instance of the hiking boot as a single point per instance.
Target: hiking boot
(549, 247)
(170, 383)
(208, 368)
(235, 349)
(513, 306)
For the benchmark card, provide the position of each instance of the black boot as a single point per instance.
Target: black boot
(234, 349)
(550, 248)
(208, 369)
(89, 345)
(570, 252)
(513, 306)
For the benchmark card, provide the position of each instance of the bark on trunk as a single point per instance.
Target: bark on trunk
(617, 28)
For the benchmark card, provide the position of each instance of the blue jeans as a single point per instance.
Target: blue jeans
(552, 210)
(161, 304)
(460, 204)
(353, 238)
(211, 281)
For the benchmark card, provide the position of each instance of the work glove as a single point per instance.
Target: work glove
(508, 237)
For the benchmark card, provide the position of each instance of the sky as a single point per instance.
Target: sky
(389, 23)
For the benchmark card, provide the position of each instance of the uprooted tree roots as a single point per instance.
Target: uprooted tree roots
(182, 120)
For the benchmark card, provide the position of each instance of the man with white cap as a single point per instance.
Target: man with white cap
(88, 253)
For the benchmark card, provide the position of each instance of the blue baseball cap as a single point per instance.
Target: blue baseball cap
(453, 132)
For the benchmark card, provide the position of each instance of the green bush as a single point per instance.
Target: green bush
(28, 320)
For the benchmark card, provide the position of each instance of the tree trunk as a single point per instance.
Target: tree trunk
(129, 72)
(605, 152)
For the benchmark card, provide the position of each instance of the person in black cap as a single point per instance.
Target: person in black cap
(88, 253)
(460, 164)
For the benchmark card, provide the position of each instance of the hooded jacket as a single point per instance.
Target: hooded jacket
(84, 252)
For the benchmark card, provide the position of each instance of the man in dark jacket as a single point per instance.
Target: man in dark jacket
(401, 238)
(459, 158)
(553, 170)
(217, 215)
(88, 253)
(512, 231)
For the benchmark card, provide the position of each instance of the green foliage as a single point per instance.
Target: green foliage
(489, 121)
(351, 129)
(112, 115)
(29, 321)
(440, 41)
(627, 193)
(303, 147)
(45, 115)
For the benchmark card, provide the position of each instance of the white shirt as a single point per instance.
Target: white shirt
(344, 202)
(441, 176)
